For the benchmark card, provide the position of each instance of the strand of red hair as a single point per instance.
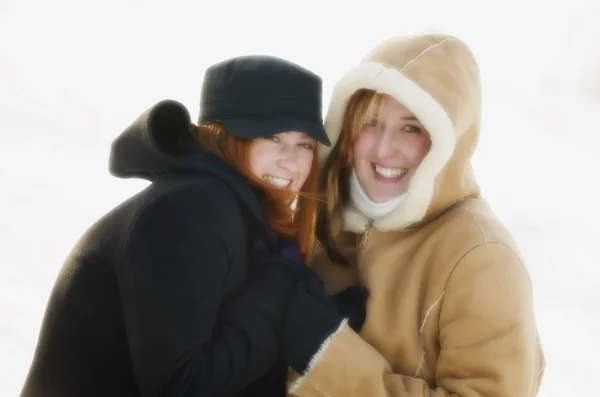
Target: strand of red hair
(298, 223)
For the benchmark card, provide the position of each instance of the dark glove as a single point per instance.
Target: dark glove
(271, 280)
(310, 317)
(256, 311)
(269, 284)
(351, 303)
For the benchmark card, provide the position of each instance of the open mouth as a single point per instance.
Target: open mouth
(279, 182)
(389, 172)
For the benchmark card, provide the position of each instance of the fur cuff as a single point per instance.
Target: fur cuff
(313, 361)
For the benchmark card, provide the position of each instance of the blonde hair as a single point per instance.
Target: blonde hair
(335, 173)
(296, 223)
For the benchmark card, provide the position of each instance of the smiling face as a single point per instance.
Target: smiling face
(388, 150)
(283, 160)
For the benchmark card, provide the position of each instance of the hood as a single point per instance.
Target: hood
(437, 78)
(159, 142)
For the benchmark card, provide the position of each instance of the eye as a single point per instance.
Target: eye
(372, 122)
(308, 146)
(273, 138)
(411, 129)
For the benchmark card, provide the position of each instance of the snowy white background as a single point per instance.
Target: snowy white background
(73, 76)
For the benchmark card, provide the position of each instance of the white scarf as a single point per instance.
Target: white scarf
(371, 209)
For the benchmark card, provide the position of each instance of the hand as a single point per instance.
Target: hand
(271, 280)
(268, 285)
(351, 303)
(310, 317)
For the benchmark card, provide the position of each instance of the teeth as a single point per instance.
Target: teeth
(390, 172)
(281, 182)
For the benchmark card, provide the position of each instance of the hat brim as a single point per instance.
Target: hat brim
(260, 128)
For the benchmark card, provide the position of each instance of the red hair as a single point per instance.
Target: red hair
(295, 223)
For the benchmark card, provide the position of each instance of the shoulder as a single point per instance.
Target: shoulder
(471, 238)
(489, 282)
(199, 200)
(484, 247)
(472, 223)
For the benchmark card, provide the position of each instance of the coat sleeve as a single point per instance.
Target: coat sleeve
(172, 275)
(488, 342)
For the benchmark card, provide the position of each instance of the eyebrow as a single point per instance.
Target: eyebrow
(407, 118)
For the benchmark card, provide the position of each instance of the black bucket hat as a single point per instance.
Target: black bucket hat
(257, 96)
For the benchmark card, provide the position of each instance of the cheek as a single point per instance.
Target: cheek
(362, 146)
(416, 149)
(361, 152)
(258, 157)
(424, 147)
(305, 165)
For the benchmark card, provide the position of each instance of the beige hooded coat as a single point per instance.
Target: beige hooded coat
(450, 311)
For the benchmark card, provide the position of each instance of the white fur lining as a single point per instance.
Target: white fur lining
(354, 220)
(294, 386)
(431, 114)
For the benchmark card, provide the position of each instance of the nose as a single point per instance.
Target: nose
(288, 159)
(385, 144)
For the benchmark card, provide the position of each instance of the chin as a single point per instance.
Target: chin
(382, 197)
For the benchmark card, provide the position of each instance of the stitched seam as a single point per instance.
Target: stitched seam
(485, 239)
(466, 254)
(452, 272)
(422, 328)
(425, 51)
(318, 388)
(542, 369)
(536, 386)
